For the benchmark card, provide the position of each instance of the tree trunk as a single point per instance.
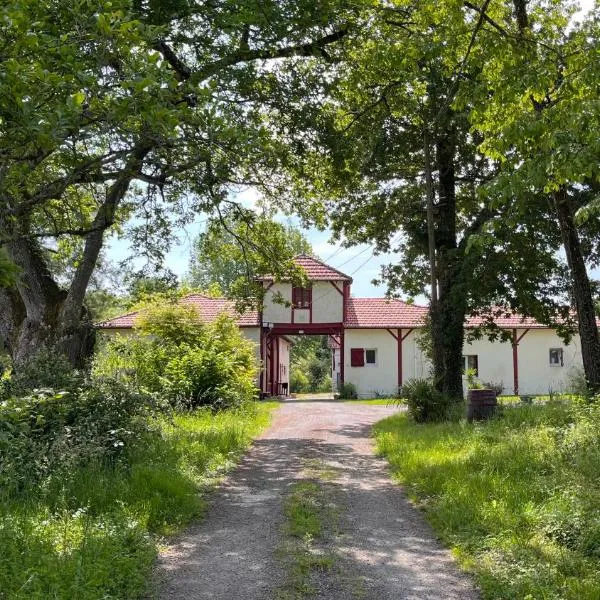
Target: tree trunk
(447, 317)
(582, 291)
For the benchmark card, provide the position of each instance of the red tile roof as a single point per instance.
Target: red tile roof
(381, 312)
(316, 270)
(209, 309)
(505, 320)
(363, 313)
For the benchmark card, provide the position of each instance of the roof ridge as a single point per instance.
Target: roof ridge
(128, 314)
(323, 264)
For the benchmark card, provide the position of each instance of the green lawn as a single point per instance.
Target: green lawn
(517, 498)
(95, 534)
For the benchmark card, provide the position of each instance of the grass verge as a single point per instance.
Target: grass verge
(311, 524)
(517, 498)
(94, 533)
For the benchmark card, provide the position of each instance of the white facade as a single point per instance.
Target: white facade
(379, 339)
(536, 374)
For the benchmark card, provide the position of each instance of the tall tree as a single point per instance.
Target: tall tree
(542, 125)
(232, 253)
(111, 110)
(394, 134)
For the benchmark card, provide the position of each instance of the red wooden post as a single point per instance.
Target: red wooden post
(399, 358)
(342, 356)
(515, 349)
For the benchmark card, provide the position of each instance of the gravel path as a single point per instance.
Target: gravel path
(385, 549)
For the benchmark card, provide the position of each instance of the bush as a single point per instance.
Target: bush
(46, 369)
(49, 433)
(425, 403)
(348, 391)
(188, 362)
(299, 381)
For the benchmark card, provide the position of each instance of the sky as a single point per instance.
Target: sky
(358, 261)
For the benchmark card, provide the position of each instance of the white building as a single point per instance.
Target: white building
(375, 341)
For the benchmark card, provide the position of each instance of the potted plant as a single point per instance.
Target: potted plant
(481, 400)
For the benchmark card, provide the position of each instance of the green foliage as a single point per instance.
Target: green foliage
(517, 497)
(232, 253)
(425, 403)
(310, 364)
(47, 369)
(348, 391)
(47, 435)
(176, 356)
(93, 534)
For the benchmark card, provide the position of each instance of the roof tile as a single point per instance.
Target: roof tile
(209, 309)
(316, 270)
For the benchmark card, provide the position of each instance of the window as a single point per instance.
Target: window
(371, 357)
(357, 357)
(301, 297)
(471, 363)
(556, 357)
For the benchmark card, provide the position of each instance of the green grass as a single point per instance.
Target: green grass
(311, 523)
(517, 498)
(94, 534)
(376, 401)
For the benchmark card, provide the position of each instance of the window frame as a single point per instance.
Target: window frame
(466, 366)
(561, 357)
(367, 363)
(301, 297)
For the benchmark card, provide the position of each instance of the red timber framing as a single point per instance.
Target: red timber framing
(399, 337)
(515, 352)
(269, 344)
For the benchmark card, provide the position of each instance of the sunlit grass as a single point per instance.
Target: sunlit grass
(518, 498)
(94, 533)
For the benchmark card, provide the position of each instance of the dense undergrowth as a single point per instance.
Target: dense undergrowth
(91, 532)
(97, 465)
(517, 498)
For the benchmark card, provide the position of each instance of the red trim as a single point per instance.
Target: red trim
(515, 352)
(400, 339)
(345, 297)
(342, 353)
(335, 285)
(277, 369)
(396, 337)
(357, 357)
(262, 362)
(406, 334)
(310, 308)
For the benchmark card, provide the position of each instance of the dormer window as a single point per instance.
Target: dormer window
(301, 297)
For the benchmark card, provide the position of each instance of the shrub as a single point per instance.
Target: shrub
(49, 433)
(299, 381)
(348, 391)
(46, 369)
(188, 362)
(426, 404)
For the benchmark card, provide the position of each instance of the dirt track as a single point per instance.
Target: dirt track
(385, 550)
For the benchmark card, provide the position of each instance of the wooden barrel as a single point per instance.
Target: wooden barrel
(481, 404)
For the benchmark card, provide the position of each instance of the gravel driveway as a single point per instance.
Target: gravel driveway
(384, 544)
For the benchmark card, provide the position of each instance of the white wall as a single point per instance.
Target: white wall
(536, 375)
(328, 303)
(495, 361)
(274, 312)
(253, 334)
(284, 361)
(381, 378)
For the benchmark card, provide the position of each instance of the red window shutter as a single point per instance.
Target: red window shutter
(357, 357)
(295, 291)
